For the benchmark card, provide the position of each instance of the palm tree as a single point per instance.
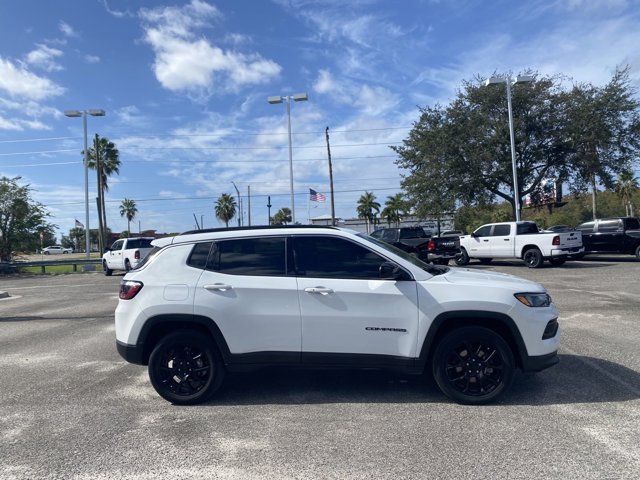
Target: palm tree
(626, 185)
(394, 208)
(368, 208)
(225, 208)
(128, 209)
(104, 158)
(282, 217)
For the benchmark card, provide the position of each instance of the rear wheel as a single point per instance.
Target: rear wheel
(557, 261)
(533, 258)
(485, 261)
(473, 365)
(107, 270)
(127, 265)
(463, 258)
(638, 253)
(185, 368)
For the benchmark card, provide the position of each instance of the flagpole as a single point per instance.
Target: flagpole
(309, 209)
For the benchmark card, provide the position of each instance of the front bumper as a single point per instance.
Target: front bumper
(564, 252)
(131, 353)
(539, 362)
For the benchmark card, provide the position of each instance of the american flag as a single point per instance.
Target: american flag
(315, 196)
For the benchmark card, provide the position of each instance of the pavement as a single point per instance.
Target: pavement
(72, 408)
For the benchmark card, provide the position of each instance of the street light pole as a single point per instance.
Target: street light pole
(298, 97)
(506, 79)
(239, 203)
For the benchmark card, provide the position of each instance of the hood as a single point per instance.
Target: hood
(463, 276)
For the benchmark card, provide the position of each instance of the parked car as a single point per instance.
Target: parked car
(451, 233)
(56, 250)
(558, 228)
(415, 240)
(209, 302)
(611, 235)
(125, 254)
(519, 240)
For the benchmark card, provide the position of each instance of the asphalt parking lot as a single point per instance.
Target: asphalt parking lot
(71, 408)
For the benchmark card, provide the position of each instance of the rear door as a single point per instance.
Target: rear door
(587, 230)
(500, 241)
(609, 236)
(245, 289)
(347, 310)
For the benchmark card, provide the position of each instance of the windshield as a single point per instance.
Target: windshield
(432, 269)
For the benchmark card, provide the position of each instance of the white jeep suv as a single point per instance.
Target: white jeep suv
(213, 301)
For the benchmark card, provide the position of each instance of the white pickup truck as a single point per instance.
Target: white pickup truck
(125, 254)
(519, 240)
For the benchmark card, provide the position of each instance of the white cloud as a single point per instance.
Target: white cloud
(91, 58)
(44, 57)
(18, 81)
(66, 29)
(186, 63)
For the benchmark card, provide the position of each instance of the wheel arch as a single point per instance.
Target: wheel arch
(448, 321)
(160, 325)
(527, 247)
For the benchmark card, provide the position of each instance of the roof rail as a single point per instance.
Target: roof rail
(258, 227)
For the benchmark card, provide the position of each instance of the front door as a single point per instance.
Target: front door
(246, 291)
(480, 242)
(588, 236)
(610, 236)
(114, 258)
(346, 308)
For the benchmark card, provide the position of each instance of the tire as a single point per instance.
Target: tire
(556, 262)
(485, 261)
(466, 349)
(107, 270)
(46, 253)
(191, 357)
(127, 265)
(533, 258)
(65, 253)
(638, 252)
(462, 259)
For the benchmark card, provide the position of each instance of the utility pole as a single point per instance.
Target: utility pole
(249, 204)
(333, 208)
(269, 209)
(202, 221)
(139, 228)
(239, 204)
(196, 219)
(101, 235)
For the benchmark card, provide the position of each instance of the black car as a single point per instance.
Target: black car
(611, 235)
(558, 229)
(415, 240)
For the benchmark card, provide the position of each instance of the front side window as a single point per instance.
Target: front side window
(327, 257)
(633, 224)
(117, 245)
(412, 233)
(389, 235)
(501, 231)
(483, 231)
(249, 256)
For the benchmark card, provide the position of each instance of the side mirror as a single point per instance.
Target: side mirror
(107, 249)
(474, 234)
(390, 271)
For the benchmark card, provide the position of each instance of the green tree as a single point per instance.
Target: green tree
(282, 217)
(626, 186)
(225, 208)
(604, 128)
(21, 219)
(394, 208)
(367, 208)
(104, 158)
(129, 210)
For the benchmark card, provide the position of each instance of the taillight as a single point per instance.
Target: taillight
(136, 255)
(556, 240)
(129, 289)
(431, 246)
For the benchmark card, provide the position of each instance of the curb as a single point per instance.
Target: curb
(4, 294)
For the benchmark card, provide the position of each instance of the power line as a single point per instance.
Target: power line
(40, 151)
(39, 139)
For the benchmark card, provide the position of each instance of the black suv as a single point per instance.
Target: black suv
(611, 235)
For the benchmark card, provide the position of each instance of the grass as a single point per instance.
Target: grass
(55, 269)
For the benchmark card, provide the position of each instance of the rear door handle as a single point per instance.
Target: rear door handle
(506, 239)
(216, 287)
(485, 240)
(320, 290)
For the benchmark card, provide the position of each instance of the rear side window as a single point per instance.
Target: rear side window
(609, 225)
(586, 227)
(377, 234)
(326, 257)
(526, 228)
(199, 254)
(250, 256)
(501, 230)
(154, 251)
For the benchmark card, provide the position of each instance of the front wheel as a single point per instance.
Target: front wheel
(463, 258)
(557, 261)
(473, 365)
(638, 253)
(106, 269)
(185, 368)
(127, 265)
(533, 258)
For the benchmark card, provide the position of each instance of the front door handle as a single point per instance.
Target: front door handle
(217, 287)
(485, 240)
(320, 290)
(506, 239)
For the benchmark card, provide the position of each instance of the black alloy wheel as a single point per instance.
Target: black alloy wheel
(533, 258)
(462, 259)
(185, 369)
(107, 270)
(473, 365)
(638, 253)
(127, 265)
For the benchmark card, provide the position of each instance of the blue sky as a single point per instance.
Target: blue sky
(184, 85)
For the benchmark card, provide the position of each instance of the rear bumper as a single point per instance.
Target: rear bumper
(442, 255)
(131, 353)
(565, 252)
(539, 362)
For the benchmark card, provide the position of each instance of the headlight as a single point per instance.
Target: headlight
(534, 299)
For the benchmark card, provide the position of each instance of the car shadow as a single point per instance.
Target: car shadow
(577, 379)
(569, 265)
(594, 257)
(29, 318)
